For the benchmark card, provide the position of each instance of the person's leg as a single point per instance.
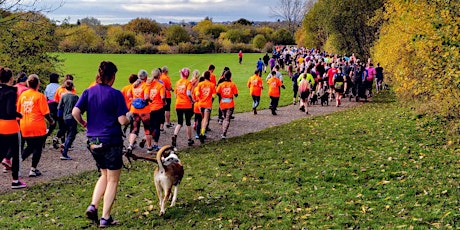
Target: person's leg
(135, 129)
(71, 134)
(15, 149)
(112, 179)
(99, 188)
(226, 123)
(180, 122)
(198, 119)
(36, 143)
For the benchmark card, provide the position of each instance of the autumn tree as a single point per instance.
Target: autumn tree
(27, 44)
(176, 34)
(144, 26)
(419, 47)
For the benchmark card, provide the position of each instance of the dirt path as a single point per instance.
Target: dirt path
(52, 167)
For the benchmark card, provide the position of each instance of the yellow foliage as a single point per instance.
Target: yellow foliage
(419, 50)
(164, 48)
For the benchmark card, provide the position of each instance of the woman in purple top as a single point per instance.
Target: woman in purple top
(106, 113)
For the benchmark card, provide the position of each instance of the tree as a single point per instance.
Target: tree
(283, 37)
(143, 25)
(90, 21)
(176, 34)
(243, 22)
(32, 52)
(259, 41)
(291, 11)
(79, 39)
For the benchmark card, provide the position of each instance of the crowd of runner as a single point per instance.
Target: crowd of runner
(315, 76)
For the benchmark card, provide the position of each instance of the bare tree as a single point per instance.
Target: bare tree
(8, 8)
(292, 12)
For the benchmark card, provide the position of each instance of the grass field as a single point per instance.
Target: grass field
(378, 166)
(84, 68)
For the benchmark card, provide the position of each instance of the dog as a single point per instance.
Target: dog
(314, 99)
(324, 98)
(168, 174)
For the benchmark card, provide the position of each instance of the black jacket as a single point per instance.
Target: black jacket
(8, 97)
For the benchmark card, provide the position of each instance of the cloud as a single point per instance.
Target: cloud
(122, 11)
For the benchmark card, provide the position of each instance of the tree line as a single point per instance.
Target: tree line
(417, 42)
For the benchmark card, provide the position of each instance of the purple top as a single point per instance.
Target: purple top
(104, 105)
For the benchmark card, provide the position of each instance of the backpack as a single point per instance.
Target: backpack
(139, 103)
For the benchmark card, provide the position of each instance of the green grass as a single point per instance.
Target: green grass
(379, 166)
(84, 68)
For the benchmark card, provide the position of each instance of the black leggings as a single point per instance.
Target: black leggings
(187, 113)
(11, 143)
(156, 119)
(35, 147)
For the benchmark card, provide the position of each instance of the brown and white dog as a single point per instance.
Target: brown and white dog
(168, 173)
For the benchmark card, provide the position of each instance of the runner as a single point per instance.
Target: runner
(274, 84)
(66, 104)
(255, 89)
(304, 90)
(10, 137)
(62, 129)
(340, 84)
(206, 91)
(155, 93)
(34, 108)
(227, 90)
(106, 111)
(184, 106)
(168, 87)
(140, 112)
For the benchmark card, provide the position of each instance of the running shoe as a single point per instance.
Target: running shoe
(202, 137)
(17, 185)
(91, 213)
(66, 158)
(107, 222)
(6, 163)
(190, 142)
(170, 125)
(35, 173)
(150, 150)
(156, 147)
(223, 136)
(162, 131)
(142, 143)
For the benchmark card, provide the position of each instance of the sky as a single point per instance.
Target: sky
(162, 11)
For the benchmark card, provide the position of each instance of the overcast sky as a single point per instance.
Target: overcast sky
(163, 11)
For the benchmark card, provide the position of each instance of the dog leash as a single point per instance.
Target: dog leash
(131, 156)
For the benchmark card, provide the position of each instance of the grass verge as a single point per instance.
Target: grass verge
(376, 166)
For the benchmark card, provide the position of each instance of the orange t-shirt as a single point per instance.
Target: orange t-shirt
(182, 99)
(227, 91)
(33, 106)
(274, 85)
(61, 91)
(9, 127)
(167, 82)
(156, 92)
(138, 92)
(255, 85)
(196, 107)
(206, 90)
(125, 91)
(212, 78)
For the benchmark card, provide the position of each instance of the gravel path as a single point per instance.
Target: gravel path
(52, 167)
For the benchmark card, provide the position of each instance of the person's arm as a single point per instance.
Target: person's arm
(123, 120)
(76, 113)
(49, 119)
